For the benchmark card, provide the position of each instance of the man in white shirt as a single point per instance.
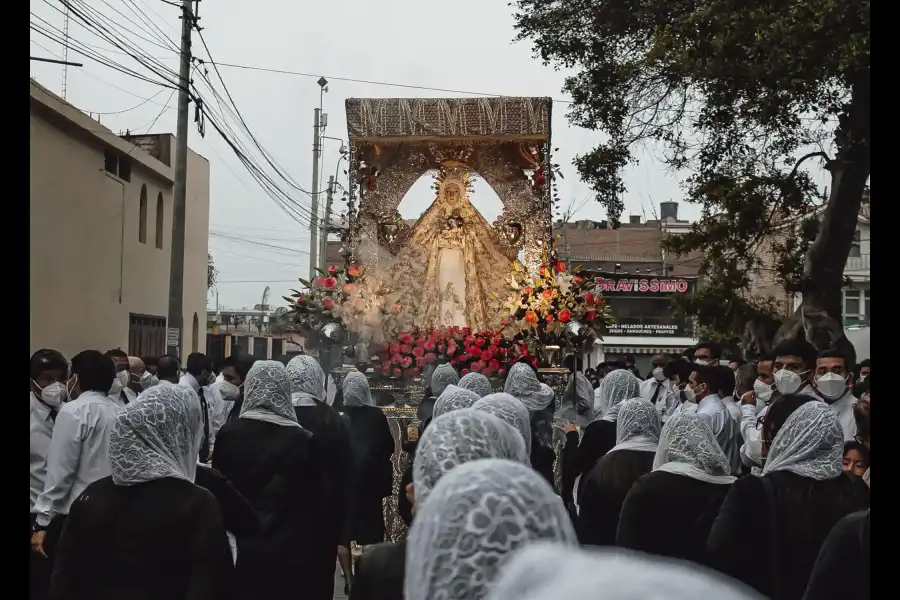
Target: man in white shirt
(229, 389)
(832, 382)
(79, 447)
(199, 368)
(705, 383)
(119, 392)
(49, 390)
(659, 389)
(727, 385)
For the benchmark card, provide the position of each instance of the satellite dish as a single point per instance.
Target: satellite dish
(281, 311)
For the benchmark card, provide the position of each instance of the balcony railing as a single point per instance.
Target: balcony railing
(858, 263)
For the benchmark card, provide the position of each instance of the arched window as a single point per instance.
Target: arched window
(195, 337)
(142, 216)
(159, 221)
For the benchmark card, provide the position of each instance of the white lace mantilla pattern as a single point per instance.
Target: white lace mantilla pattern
(477, 515)
(460, 437)
(689, 447)
(453, 398)
(307, 376)
(810, 444)
(511, 410)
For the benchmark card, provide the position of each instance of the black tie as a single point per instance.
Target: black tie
(204, 448)
(656, 393)
(124, 397)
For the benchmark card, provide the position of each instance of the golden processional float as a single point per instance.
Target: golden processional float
(450, 287)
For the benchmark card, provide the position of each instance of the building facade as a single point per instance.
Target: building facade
(637, 280)
(100, 236)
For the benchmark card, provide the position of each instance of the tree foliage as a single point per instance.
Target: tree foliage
(742, 95)
(211, 272)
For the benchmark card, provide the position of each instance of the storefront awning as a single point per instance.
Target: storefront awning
(645, 345)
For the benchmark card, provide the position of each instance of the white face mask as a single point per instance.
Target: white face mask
(689, 395)
(763, 392)
(154, 380)
(54, 394)
(146, 380)
(229, 391)
(702, 361)
(831, 385)
(658, 374)
(862, 378)
(788, 382)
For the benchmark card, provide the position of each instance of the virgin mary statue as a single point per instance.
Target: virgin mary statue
(452, 270)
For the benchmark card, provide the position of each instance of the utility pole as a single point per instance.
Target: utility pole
(176, 264)
(326, 225)
(314, 209)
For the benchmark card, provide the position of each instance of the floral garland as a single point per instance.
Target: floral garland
(486, 352)
(551, 299)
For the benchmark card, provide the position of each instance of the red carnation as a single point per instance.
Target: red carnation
(396, 359)
(477, 366)
(469, 340)
(452, 348)
(588, 298)
(577, 280)
(494, 364)
(328, 303)
(332, 270)
(564, 315)
(485, 356)
(464, 372)
(549, 318)
(560, 266)
(420, 361)
(430, 358)
(543, 271)
(395, 349)
(353, 271)
(429, 346)
(590, 316)
(407, 362)
(329, 283)
(420, 342)
(396, 372)
(301, 299)
(418, 351)
(405, 348)
(467, 331)
(385, 347)
(406, 338)
(480, 342)
(501, 373)
(488, 372)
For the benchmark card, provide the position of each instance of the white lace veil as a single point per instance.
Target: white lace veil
(307, 378)
(356, 390)
(688, 447)
(459, 437)
(477, 383)
(616, 387)
(547, 571)
(637, 426)
(443, 376)
(810, 444)
(523, 384)
(267, 394)
(474, 518)
(453, 398)
(157, 436)
(509, 409)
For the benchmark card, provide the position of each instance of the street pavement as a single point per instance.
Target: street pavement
(338, 584)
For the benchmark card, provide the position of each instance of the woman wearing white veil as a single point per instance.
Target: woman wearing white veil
(690, 471)
(600, 435)
(148, 517)
(451, 440)
(269, 458)
(331, 431)
(522, 383)
(607, 484)
(372, 474)
(511, 410)
(546, 571)
(800, 496)
(476, 516)
(453, 398)
(476, 382)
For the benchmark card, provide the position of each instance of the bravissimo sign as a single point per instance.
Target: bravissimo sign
(641, 285)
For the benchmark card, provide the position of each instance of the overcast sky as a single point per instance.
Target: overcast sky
(465, 45)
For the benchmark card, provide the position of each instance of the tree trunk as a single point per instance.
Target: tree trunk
(819, 318)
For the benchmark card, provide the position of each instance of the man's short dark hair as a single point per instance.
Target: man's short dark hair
(94, 370)
(149, 361)
(740, 362)
(240, 363)
(681, 368)
(167, 368)
(725, 377)
(782, 407)
(47, 359)
(800, 348)
(861, 448)
(198, 362)
(715, 349)
(115, 353)
(833, 353)
(709, 376)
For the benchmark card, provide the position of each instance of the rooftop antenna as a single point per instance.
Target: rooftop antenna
(65, 69)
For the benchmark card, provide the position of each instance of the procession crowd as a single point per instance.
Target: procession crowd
(156, 480)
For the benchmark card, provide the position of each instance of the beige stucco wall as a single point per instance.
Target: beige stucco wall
(88, 269)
